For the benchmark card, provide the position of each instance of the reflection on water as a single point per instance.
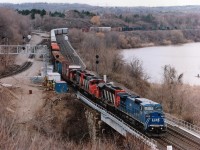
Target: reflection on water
(185, 58)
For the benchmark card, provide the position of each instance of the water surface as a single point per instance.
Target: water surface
(185, 58)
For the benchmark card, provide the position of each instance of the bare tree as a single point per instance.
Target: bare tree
(117, 63)
(136, 69)
(12, 29)
(171, 83)
(12, 26)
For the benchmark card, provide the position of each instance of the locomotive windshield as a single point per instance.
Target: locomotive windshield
(159, 108)
(151, 108)
(148, 108)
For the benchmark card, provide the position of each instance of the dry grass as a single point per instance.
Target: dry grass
(60, 124)
(185, 101)
(191, 114)
(63, 116)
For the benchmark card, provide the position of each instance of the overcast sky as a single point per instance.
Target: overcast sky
(147, 3)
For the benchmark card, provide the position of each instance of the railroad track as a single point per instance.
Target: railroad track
(65, 50)
(189, 141)
(164, 142)
(180, 140)
(68, 51)
(22, 68)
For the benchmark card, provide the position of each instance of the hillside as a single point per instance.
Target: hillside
(47, 6)
(99, 9)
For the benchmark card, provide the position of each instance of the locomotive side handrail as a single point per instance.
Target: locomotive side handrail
(178, 122)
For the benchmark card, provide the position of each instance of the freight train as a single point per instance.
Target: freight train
(138, 112)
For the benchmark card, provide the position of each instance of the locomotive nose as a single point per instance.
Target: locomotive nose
(155, 118)
(155, 122)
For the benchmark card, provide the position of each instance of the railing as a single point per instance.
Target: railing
(23, 49)
(75, 53)
(38, 31)
(178, 122)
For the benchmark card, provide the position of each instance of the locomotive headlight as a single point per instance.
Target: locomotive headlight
(162, 116)
(147, 116)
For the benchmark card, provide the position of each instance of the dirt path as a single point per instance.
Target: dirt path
(26, 104)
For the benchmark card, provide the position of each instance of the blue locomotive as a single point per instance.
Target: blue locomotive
(144, 113)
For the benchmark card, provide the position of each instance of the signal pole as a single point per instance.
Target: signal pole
(97, 62)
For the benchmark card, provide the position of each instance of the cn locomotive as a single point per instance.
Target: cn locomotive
(138, 112)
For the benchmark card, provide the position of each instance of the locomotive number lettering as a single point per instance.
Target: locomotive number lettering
(155, 120)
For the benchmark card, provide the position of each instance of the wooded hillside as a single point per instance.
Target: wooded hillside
(13, 26)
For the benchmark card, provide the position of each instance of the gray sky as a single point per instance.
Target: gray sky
(147, 3)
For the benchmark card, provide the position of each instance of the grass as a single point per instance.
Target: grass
(59, 125)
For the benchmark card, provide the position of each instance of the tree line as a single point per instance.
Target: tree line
(32, 12)
(13, 26)
(42, 13)
(161, 21)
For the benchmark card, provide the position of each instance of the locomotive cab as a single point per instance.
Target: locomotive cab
(93, 86)
(90, 84)
(71, 72)
(79, 77)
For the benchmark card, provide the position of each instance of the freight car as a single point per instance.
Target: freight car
(138, 112)
(100, 29)
(55, 47)
(54, 32)
(58, 61)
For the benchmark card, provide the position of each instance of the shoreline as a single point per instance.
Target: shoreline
(154, 45)
(184, 84)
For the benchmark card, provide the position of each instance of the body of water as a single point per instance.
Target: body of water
(185, 58)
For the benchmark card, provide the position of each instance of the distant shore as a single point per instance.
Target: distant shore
(140, 39)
